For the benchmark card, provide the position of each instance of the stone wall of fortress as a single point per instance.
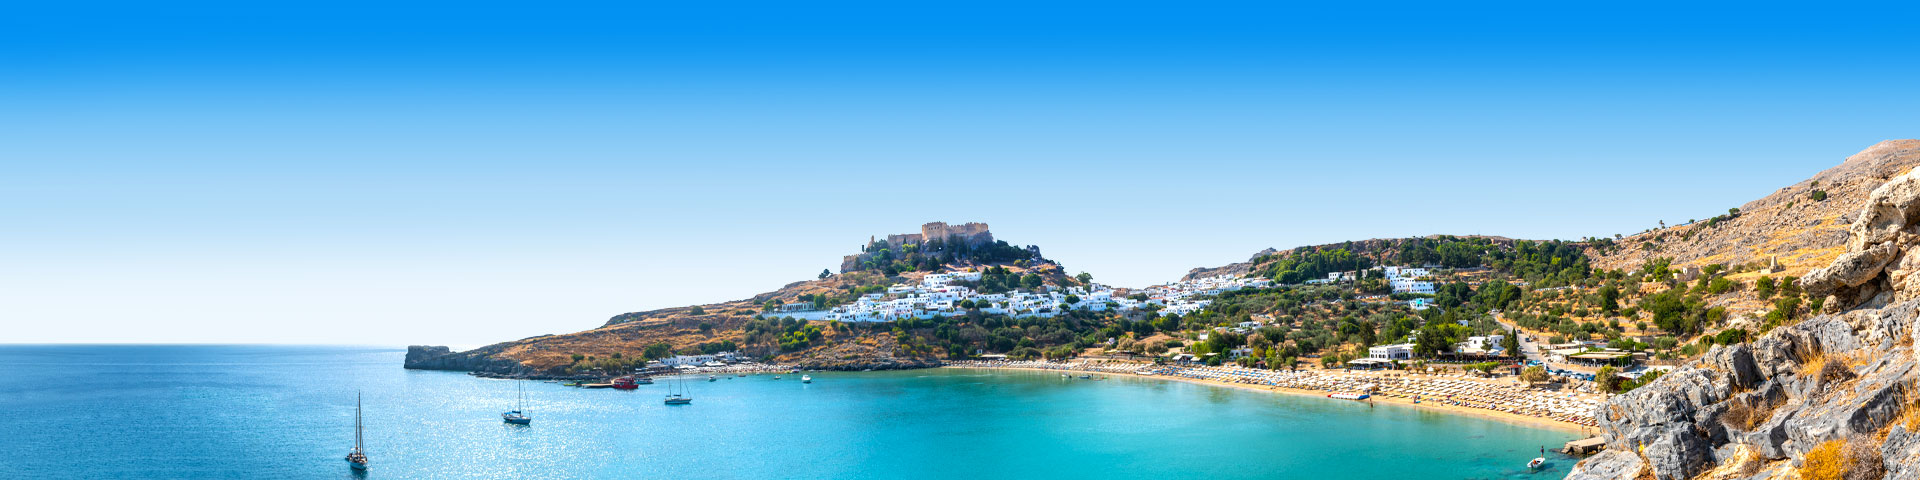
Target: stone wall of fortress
(973, 233)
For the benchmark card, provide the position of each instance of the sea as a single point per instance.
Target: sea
(257, 412)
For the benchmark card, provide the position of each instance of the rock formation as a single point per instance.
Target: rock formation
(1882, 254)
(1846, 375)
(970, 234)
(424, 357)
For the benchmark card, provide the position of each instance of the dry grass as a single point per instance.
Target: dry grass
(1744, 417)
(1826, 461)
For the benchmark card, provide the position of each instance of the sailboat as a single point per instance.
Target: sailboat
(677, 398)
(357, 459)
(518, 415)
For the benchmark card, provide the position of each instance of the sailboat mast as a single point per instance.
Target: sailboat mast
(358, 441)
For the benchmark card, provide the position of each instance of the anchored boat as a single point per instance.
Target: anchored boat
(518, 416)
(357, 458)
(678, 398)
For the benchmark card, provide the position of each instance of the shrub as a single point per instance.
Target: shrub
(1827, 461)
(1818, 195)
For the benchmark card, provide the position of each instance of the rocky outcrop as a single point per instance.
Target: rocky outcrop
(970, 235)
(1607, 465)
(1845, 375)
(1831, 377)
(1883, 251)
(424, 357)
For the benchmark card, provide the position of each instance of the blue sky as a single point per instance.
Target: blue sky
(466, 172)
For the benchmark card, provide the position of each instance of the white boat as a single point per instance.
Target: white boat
(1536, 463)
(357, 458)
(1349, 396)
(678, 398)
(518, 416)
(806, 379)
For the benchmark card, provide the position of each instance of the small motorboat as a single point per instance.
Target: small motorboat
(1086, 376)
(806, 379)
(1349, 396)
(643, 381)
(1536, 463)
(711, 378)
(625, 383)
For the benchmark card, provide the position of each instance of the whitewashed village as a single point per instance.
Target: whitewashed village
(941, 294)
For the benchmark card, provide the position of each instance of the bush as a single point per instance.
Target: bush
(1827, 461)
(1534, 374)
(1818, 195)
(1843, 460)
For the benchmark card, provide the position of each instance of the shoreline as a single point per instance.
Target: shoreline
(1522, 420)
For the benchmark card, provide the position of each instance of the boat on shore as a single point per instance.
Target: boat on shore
(357, 458)
(1350, 396)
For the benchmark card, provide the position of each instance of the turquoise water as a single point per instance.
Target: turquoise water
(287, 412)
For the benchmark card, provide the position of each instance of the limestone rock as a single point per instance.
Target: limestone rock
(1901, 452)
(1609, 464)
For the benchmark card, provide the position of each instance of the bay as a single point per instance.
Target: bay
(237, 411)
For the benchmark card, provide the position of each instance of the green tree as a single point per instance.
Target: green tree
(1608, 379)
(696, 310)
(1609, 299)
(657, 351)
(1534, 374)
(824, 273)
(1512, 343)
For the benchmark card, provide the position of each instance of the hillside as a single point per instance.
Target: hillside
(1790, 225)
(753, 325)
(1830, 397)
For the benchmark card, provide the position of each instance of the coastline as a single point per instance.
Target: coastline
(1523, 420)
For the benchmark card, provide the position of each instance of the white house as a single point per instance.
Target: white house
(1398, 351)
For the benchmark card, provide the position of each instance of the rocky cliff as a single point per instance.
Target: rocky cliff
(1837, 389)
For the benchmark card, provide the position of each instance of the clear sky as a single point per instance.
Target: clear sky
(467, 172)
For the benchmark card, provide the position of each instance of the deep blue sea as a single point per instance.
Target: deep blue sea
(250, 412)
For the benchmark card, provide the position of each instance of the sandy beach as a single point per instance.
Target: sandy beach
(1527, 420)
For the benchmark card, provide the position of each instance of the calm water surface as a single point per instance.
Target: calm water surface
(287, 412)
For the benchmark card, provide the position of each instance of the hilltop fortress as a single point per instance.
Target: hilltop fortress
(971, 234)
